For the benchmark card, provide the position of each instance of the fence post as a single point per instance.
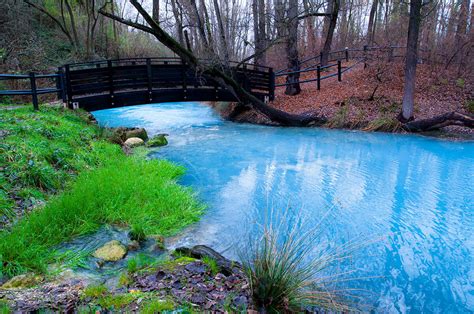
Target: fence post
(365, 56)
(390, 54)
(320, 56)
(34, 95)
(346, 52)
(149, 75)
(272, 85)
(319, 77)
(339, 72)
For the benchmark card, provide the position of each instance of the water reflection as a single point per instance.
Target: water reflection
(417, 193)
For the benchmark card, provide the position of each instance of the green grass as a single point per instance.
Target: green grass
(40, 152)
(212, 264)
(469, 104)
(95, 291)
(110, 188)
(157, 306)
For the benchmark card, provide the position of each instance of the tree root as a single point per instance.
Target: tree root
(447, 119)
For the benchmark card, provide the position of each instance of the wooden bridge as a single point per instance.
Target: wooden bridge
(125, 82)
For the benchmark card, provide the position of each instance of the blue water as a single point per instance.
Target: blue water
(410, 198)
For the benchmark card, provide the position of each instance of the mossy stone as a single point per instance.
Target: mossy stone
(111, 251)
(22, 281)
(158, 140)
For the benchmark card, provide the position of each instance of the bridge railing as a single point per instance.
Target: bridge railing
(35, 89)
(313, 64)
(109, 83)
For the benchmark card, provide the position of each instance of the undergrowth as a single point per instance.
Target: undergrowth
(111, 188)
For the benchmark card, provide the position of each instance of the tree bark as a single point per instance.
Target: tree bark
(411, 61)
(293, 87)
(156, 10)
(371, 26)
(220, 24)
(334, 9)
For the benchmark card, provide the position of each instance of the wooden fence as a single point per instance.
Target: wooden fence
(35, 90)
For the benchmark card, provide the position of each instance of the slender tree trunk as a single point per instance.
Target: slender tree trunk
(411, 61)
(179, 22)
(223, 41)
(330, 32)
(371, 26)
(292, 50)
(73, 23)
(156, 10)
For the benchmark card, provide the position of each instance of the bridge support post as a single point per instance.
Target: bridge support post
(34, 95)
(111, 82)
(149, 76)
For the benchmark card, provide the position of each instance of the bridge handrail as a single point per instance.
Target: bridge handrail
(34, 91)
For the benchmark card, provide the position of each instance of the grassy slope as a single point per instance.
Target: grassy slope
(110, 187)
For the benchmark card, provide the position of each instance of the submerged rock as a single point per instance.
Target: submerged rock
(134, 142)
(158, 140)
(111, 251)
(22, 281)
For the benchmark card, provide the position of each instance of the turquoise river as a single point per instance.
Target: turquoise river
(407, 199)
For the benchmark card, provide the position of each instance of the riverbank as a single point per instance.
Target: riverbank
(62, 179)
(370, 99)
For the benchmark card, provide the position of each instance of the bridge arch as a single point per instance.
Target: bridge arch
(126, 82)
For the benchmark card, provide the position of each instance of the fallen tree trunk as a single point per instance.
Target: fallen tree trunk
(447, 119)
(215, 71)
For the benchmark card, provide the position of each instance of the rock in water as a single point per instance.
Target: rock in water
(134, 142)
(22, 281)
(158, 140)
(112, 251)
(136, 132)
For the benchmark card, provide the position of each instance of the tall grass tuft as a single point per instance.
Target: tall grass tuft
(287, 264)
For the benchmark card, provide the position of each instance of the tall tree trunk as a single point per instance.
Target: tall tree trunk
(371, 26)
(223, 41)
(179, 22)
(293, 87)
(411, 61)
(156, 10)
(330, 31)
(73, 23)
(259, 31)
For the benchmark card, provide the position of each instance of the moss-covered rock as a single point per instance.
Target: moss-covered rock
(134, 142)
(158, 140)
(22, 281)
(136, 132)
(111, 251)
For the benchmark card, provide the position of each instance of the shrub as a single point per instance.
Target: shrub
(283, 276)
